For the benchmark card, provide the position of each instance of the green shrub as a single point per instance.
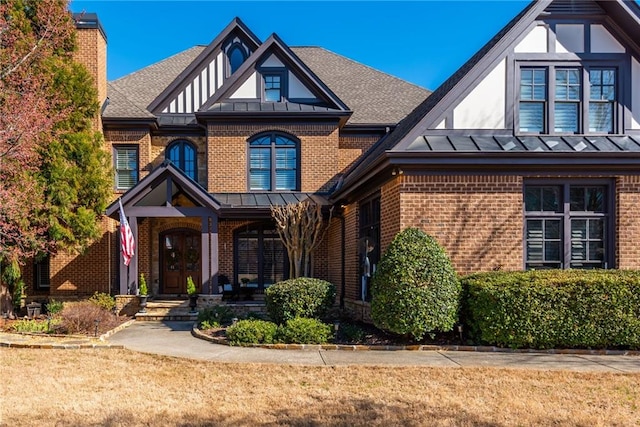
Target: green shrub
(220, 314)
(191, 286)
(54, 307)
(415, 290)
(554, 308)
(103, 300)
(143, 285)
(301, 297)
(351, 333)
(34, 325)
(252, 332)
(302, 330)
(207, 324)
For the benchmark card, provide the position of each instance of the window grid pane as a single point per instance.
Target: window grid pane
(533, 94)
(126, 167)
(585, 218)
(601, 100)
(272, 88)
(273, 167)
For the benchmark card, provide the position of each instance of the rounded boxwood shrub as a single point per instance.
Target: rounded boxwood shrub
(252, 332)
(300, 297)
(415, 290)
(304, 331)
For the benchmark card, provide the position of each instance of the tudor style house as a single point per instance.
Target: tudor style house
(527, 157)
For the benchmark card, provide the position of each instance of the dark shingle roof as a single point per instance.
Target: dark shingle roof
(374, 97)
(142, 87)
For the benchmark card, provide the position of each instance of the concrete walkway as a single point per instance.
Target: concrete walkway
(175, 339)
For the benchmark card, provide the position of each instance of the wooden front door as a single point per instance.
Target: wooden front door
(181, 257)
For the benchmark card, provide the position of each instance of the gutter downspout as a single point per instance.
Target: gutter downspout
(342, 260)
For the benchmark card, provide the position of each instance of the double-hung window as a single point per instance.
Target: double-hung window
(567, 225)
(42, 273)
(126, 166)
(565, 99)
(273, 163)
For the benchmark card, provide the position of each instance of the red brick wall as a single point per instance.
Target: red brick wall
(92, 53)
(227, 154)
(352, 147)
(478, 219)
(627, 222)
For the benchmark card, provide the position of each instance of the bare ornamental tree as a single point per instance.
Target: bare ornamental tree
(301, 228)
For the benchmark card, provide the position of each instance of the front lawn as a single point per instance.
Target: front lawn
(123, 388)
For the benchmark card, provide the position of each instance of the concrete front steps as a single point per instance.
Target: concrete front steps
(177, 309)
(167, 309)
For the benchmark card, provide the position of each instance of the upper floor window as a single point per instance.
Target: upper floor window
(272, 87)
(237, 56)
(126, 166)
(555, 99)
(567, 225)
(273, 163)
(183, 154)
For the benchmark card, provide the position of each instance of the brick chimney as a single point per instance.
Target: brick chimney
(92, 52)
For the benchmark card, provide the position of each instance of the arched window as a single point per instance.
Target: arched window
(273, 163)
(237, 56)
(183, 154)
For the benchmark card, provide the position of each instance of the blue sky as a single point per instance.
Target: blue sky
(422, 42)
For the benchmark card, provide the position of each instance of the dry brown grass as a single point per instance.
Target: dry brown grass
(123, 388)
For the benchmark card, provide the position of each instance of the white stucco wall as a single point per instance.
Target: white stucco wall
(297, 89)
(635, 94)
(441, 125)
(484, 107)
(603, 42)
(569, 38)
(248, 89)
(272, 61)
(220, 71)
(534, 42)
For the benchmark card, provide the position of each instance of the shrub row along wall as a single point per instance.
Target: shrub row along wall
(554, 308)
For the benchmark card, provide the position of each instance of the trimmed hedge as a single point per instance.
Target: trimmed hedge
(305, 331)
(252, 332)
(415, 290)
(301, 297)
(554, 308)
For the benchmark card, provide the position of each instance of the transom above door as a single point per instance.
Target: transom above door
(180, 257)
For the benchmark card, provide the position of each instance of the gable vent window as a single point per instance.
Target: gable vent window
(552, 100)
(126, 166)
(236, 57)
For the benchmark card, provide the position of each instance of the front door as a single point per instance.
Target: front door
(180, 257)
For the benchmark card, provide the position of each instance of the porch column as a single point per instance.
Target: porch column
(129, 274)
(210, 254)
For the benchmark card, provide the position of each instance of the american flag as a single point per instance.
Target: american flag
(126, 237)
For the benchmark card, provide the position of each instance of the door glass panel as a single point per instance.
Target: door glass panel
(192, 253)
(173, 253)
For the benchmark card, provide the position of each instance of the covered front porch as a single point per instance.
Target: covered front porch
(174, 223)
